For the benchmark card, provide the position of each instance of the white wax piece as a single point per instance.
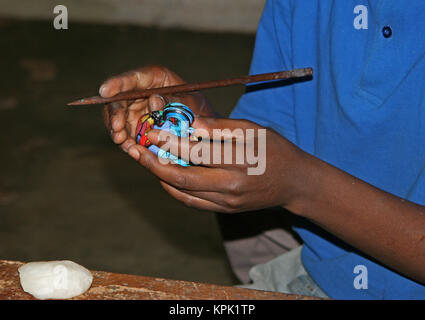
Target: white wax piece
(54, 279)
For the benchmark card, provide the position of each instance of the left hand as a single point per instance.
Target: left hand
(121, 117)
(228, 187)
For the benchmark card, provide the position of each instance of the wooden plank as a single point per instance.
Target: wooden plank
(113, 286)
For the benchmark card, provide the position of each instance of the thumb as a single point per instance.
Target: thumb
(156, 102)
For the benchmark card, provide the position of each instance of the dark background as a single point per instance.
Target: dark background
(66, 191)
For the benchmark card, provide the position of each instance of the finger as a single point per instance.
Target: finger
(115, 119)
(206, 152)
(193, 201)
(156, 102)
(117, 116)
(127, 144)
(188, 178)
(119, 137)
(225, 200)
(144, 78)
(126, 81)
(111, 87)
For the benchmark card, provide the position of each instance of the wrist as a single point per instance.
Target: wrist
(306, 184)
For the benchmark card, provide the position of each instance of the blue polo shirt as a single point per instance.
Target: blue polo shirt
(363, 112)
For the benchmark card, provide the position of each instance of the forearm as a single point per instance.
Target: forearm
(386, 227)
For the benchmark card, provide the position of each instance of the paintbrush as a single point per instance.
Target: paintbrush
(190, 87)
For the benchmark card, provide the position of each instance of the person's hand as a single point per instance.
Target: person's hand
(121, 117)
(217, 184)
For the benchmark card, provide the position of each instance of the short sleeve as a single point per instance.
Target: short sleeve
(272, 104)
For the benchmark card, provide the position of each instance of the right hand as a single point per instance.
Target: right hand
(121, 117)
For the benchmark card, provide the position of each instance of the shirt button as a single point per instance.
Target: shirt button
(387, 32)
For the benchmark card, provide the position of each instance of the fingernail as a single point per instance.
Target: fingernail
(101, 89)
(162, 99)
(127, 147)
(158, 102)
(115, 124)
(134, 153)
